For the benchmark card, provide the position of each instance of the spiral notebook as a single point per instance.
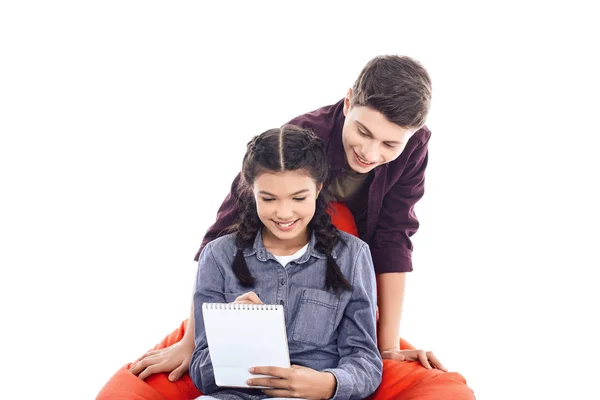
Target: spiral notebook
(241, 336)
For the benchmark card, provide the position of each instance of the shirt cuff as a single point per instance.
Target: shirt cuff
(391, 260)
(344, 385)
(202, 373)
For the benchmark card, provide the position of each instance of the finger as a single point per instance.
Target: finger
(436, 363)
(245, 296)
(147, 354)
(178, 373)
(423, 359)
(272, 371)
(138, 367)
(277, 393)
(392, 355)
(153, 369)
(251, 296)
(147, 372)
(277, 383)
(146, 362)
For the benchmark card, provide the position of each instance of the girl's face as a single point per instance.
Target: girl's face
(285, 202)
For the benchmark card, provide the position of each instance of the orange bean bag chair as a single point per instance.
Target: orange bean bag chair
(401, 380)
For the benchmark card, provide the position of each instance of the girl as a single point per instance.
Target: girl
(377, 151)
(284, 250)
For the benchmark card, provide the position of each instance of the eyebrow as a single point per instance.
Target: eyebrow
(293, 194)
(371, 133)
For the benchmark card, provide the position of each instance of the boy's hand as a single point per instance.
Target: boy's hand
(427, 358)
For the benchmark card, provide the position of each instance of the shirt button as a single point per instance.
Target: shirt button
(343, 170)
(282, 281)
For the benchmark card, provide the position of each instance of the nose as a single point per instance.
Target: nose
(284, 211)
(371, 152)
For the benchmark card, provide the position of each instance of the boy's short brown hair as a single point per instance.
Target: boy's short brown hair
(396, 86)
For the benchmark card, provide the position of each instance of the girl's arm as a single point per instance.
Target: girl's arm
(359, 370)
(209, 289)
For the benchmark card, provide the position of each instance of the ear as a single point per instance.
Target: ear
(347, 102)
(319, 188)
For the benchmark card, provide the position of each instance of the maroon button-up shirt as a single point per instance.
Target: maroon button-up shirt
(385, 215)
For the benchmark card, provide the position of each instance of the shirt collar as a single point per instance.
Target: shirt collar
(263, 254)
(335, 147)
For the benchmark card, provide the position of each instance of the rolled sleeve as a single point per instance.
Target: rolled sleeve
(397, 223)
(201, 371)
(392, 260)
(345, 385)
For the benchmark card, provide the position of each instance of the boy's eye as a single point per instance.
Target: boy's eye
(362, 133)
(299, 198)
(391, 146)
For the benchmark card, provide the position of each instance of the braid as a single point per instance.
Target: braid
(247, 227)
(248, 224)
(327, 237)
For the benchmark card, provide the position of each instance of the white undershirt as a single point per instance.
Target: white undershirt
(284, 260)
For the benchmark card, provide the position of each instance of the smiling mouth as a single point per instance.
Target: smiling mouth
(362, 160)
(286, 224)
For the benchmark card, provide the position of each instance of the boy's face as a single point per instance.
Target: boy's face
(370, 139)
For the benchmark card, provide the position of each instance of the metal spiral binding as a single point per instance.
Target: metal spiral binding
(237, 306)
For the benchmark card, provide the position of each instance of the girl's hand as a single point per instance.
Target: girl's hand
(248, 298)
(174, 359)
(297, 381)
(427, 358)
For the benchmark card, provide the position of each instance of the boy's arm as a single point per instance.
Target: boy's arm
(391, 246)
(226, 216)
(390, 290)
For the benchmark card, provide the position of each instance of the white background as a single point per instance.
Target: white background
(123, 123)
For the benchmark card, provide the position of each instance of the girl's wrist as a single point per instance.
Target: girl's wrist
(329, 382)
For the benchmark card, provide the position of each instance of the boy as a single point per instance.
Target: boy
(377, 149)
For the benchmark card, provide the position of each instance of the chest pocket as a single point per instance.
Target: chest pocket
(316, 317)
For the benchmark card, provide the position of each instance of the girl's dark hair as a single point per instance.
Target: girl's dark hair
(289, 148)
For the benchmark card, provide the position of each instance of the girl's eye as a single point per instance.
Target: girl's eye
(362, 133)
(299, 198)
(267, 199)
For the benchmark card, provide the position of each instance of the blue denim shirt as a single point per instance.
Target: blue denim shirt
(325, 333)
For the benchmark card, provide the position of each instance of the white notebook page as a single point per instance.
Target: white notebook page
(241, 336)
